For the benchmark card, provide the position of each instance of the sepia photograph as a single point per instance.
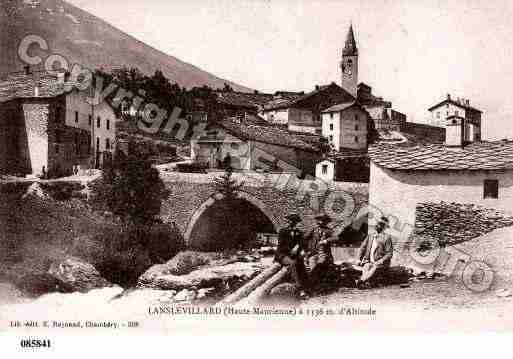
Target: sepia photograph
(266, 165)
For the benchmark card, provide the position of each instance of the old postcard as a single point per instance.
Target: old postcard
(254, 165)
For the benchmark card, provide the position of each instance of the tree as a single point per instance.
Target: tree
(131, 188)
(227, 185)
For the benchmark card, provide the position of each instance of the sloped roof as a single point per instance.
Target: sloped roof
(240, 99)
(296, 101)
(455, 103)
(23, 86)
(345, 105)
(339, 107)
(497, 155)
(265, 134)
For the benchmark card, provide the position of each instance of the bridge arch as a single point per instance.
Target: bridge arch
(216, 199)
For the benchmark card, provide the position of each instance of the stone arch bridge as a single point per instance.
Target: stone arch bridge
(267, 199)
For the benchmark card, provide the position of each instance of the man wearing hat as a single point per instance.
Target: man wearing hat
(290, 249)
(318, 248)
(375, 254)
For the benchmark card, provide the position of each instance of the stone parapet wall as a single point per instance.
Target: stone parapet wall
(452, 223)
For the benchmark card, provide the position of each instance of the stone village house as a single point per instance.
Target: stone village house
(47, 126)
(252, 145)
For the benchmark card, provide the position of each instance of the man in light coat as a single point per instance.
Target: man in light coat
(375, 254)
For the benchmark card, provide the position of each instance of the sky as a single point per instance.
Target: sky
(412, 52)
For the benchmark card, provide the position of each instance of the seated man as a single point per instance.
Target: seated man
(290, 248)
(318, 249)
(375, 254)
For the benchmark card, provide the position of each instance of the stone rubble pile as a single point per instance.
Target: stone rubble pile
(452, 223)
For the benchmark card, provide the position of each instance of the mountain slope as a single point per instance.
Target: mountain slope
(85, 39)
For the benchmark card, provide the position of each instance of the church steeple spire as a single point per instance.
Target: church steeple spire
(349, 64)
(350, 48)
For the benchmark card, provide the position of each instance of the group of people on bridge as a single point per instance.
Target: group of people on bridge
(310, 260)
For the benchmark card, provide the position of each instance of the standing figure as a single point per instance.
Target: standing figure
(375, 254)
(318, 249)
(289, 252)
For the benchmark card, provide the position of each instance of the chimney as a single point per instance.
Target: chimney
(26, 68)
(449, 97)
(467, 102)
(454, 132)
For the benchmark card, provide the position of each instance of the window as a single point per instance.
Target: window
(107, 143)
(356, 118)
(355, 138)
(58, 136)
(356, 127)
(331, 127)
(77, 144)
(331, 115)
(90, 120)
(76, 116)
(438, 115)
(324, 169)
(97, 143)
(491, 188)
(447, 113)
(98, 122)
(56, 148)
(88, 145)
(331, 138)
(57, 114)
(108, 124)
(457, 113)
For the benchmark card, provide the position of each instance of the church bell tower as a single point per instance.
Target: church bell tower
(349, 64)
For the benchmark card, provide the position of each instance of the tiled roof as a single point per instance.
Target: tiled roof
(281, 102)
(293, 101)
(455, 103)
(340, 107)
(241, 99)
(264, 134)
(23, 86)
(496, 155)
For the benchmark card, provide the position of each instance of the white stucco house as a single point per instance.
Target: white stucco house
(345, 127)
(402, 176)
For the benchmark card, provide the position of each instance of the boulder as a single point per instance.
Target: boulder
(185, 295)
(217, 276)
(503, 293)
(182, 263)
(37, 284)
(284, 293)
(35, 190)
(205, 292)
(78, 276)
(287, 290)
(266, 251)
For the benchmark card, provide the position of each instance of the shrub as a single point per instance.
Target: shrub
(63, 191)
(131, 188)
(123, 252)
